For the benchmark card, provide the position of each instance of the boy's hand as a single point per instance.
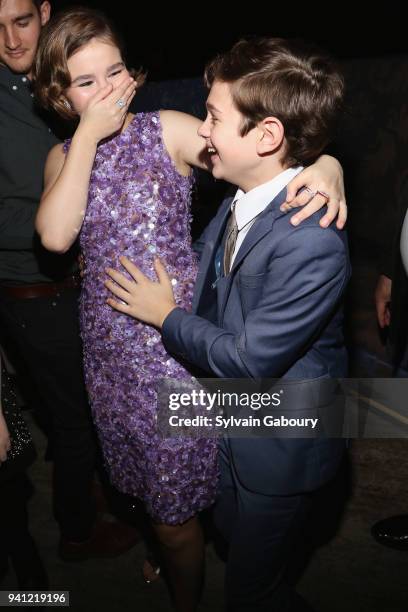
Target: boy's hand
(324, 185)
(141, 298)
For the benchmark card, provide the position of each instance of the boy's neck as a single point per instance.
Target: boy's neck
(261, 176)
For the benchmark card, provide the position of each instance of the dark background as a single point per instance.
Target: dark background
(176, 41)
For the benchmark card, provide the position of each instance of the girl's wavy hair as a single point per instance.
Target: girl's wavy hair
(60, 38)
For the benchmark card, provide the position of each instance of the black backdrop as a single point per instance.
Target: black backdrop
(177, 40)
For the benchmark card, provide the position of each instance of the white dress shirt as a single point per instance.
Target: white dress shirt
(250, 204)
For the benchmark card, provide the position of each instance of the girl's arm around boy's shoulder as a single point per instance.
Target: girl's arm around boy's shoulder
(184, 145)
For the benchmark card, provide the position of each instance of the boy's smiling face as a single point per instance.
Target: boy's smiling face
(234, 157)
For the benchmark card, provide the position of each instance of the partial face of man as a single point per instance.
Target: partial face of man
(20, 26)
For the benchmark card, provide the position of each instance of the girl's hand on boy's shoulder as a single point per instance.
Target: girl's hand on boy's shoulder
(322, 184)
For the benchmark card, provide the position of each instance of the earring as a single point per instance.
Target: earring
(67, 105)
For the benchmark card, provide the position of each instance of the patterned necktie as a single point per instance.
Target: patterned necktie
(230, 242)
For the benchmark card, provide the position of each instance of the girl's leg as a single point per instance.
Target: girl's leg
(182, 548)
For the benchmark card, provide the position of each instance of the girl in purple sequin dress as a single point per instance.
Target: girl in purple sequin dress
(123, 183)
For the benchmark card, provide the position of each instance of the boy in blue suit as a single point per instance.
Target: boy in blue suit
(267, 300)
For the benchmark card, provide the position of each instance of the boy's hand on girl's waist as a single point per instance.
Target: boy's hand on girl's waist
(146, 300)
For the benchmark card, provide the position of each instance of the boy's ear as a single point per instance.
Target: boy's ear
(271, 135)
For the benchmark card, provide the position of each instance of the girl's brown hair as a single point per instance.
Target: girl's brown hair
(60, 38)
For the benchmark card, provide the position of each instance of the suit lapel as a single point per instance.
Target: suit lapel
(206, 273)
(262, 225)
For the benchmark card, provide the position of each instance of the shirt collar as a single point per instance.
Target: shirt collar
(250, 204)
(9, 78)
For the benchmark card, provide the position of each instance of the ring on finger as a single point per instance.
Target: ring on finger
(323, 194)
(120, 103)
(311, 193)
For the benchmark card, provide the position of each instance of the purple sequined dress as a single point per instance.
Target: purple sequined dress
(139, 206)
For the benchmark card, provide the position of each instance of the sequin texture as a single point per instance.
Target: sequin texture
(139, 206)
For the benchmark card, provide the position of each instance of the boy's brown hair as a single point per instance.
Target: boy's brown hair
(60, 38)
(286, 79)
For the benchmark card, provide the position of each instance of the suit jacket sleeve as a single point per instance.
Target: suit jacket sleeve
(303, 282)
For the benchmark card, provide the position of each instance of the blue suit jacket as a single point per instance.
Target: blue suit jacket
(277, 314)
